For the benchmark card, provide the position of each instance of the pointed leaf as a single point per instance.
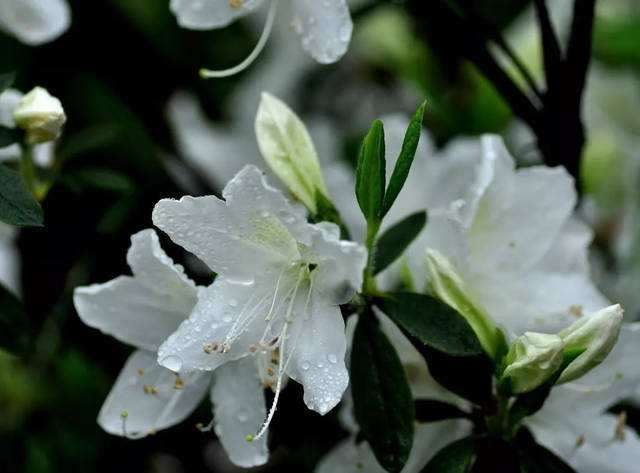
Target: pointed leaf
(534, 458)
(432, 322)
(405, 159)
(370, 173)
(383, 404)
(457, 457)
(17, 205)
(432, 410)
(396, 239)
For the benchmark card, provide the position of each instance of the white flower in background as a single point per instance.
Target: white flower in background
(143, 311)
(324, 27)
(41, 115)
(35, 22)
(277, 294)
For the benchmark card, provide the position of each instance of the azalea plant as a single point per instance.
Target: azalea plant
(396, 237)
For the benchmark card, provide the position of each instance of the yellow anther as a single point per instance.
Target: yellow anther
(179, 384)
(580, 441)
(236, 3)
(148, 389)
(140, 372)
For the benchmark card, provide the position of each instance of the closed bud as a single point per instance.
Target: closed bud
(589, 340)
(450, 288)
(532, 359)
(287, 148)
(41, 115)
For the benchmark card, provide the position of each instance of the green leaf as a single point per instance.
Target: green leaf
(470, 377)
(17, 205)
(9, 136)
(534, 458)
(6, 80)
(370, 173)
(432, 322)
(529, 403)
(432, 410)
(405, 159)
(457, 457)
(396, 239)
(14, 327)
(383, 403)
(98, 178)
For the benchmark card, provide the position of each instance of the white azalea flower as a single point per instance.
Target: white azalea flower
(280, 281)
(324, 27)
(35, 22)
(41, 115)
(143, 311)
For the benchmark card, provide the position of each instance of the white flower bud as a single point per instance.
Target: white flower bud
(591, 338)
(287, 148)
(41, 115)
(450, 288)
(533, 358)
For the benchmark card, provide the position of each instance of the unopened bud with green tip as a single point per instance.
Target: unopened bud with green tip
(41, 115)
(450, 288)
(533, 359)
(286, 146)
(589, 340)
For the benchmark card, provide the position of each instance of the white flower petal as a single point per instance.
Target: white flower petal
(142, 310)
(599, 448)
(35, 22)
(198, 342)
(317, 348)
(208, 14)
(255, 227)
(9, 100)
(147, 397)
(502, 236)
(341, 264)
(324, 26)
(239, 410)
(9, 258)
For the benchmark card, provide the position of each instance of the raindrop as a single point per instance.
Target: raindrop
(172, 362)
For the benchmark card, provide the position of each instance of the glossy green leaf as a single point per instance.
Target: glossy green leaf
(432, 322)
(370, 173)
(383, 403)
(396, 239)
(432, 410)
(14, 327)
(17, 205)
(405, 159)
(534, 458)
(457, 457)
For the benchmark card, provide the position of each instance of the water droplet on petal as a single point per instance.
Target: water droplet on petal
(172, 362)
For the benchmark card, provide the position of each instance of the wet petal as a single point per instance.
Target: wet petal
(317, 347)
(198, 342)
(35, 22)
(147, 398)
(207, 14)
(324, 26)
(340, 263)
(254, 229)
(142, 310)
(239, 410)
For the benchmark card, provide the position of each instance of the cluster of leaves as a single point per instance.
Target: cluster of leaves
(383, 404)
